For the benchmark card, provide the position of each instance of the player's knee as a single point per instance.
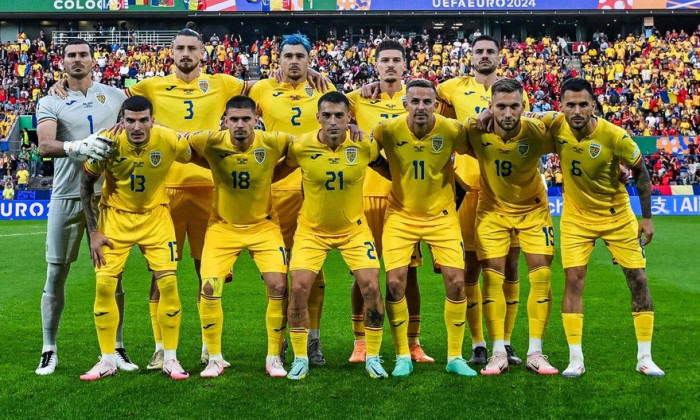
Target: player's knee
(300, 289)
(277, 288)
(213, 287)
(395, 289)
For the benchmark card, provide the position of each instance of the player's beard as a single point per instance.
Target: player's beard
(80, 76)
(578, 125)
(485, 70)
(507, 126)
(390, 79)
(187, 67)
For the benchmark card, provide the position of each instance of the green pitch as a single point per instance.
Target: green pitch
(610, 389)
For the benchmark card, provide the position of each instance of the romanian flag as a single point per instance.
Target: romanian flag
(162, 3)
(139, 2)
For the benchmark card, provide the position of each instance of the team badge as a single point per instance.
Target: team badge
(437, 143)
(594, 150)
(523, 148)
(101, 98)
(309, 91)
(156, 157)
(259, 155)
(351, 154)
(204, 86)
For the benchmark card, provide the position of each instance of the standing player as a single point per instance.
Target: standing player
(513, 200)
(187, 100)
(290, 107)
(242, 161)
(467, 96)
(596, 205)
(419, 148)
(333, 169)
(87, 108)
(391, 64)
(134, 212)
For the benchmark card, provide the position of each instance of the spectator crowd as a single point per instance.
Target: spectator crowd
(648, 85)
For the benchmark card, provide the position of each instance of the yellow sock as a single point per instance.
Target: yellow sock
(153, 311)
(211, 315)
(398, 319)
(169, 311)
(643, 325)
(538, 301)
(316, 301)
(474, 302)
(374, 340)
(106, 313)
(494, 303)
(511, 290)
(455, 318)
(299, 339)
(413, 329)
(573, 327)
(358, 326)
(276, 323)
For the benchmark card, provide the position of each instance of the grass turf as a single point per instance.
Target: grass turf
(610, 389)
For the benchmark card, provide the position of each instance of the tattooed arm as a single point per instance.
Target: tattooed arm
(97, 239)
(643, 183)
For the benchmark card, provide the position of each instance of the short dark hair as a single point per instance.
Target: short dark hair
(390, 45)
(577, 84)
(421, 83)
(334, 98)
(506, 85)
(189, 30)
(487, 38)
(137, 104)
(78, 41)
(241, 102)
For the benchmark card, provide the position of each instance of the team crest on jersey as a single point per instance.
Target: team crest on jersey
(351, 154)
(437, 143)
(259, 155)
(309, 91)
(594, 150)
(523, 148)
(156, 158)
(204, 86)
(101, 98)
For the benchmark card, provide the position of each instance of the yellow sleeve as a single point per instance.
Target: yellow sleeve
(373, 148)
(628, 151)
(233, 85)
(377, 135)
(198, 140)
(291, 158)
(546, 117)
(93, 167)
(461, 142)
(527, 101)
(255, 93)
(141, 88)
(283, 142)
(183, 152)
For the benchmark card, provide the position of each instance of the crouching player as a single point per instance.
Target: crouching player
(332, 217)
(242, 162)
(134, 211)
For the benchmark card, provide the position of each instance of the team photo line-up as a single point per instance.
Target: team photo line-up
(312, 182)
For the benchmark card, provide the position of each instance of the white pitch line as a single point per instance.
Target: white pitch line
(21, 234)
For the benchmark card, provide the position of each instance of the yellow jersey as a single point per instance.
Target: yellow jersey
(591, 167)
(510, 177)
(193, 106)
(368, 113)
(421, 169)
(242, 179)
(135, 175)
(288, 109)
(332, 181)
(469, 98)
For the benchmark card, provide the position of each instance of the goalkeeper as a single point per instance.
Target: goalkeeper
(65, 130)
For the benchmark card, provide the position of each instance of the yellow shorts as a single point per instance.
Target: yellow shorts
(311, 248)
(375, 210)
(619, 234)
(287, 205)
(467, 221)
(494, 231)
(190, 209)
(224, 243)
(152, 231)
(402, 233)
